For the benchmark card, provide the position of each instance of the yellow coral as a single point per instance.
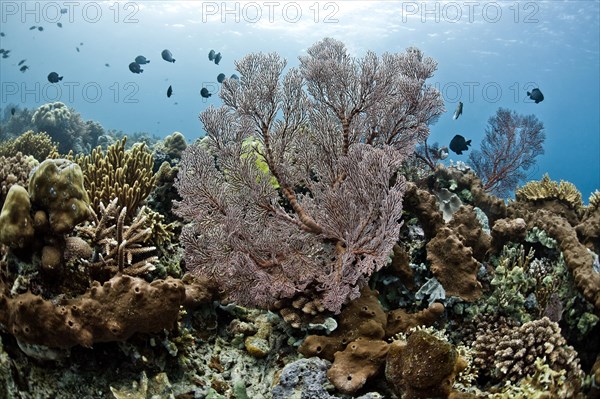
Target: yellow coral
(118, 173)
(547, 189)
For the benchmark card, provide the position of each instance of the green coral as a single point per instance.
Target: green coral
(56, 186)
(540, 236)
(510, 285)
(253, 148)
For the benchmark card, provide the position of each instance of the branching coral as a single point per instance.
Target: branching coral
(119, 247)
(335, 217)
(547, 189)
(514, 351)
(118, 173)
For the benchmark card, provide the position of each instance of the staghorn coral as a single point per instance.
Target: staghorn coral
(119, 247)
(510, 354)
(511, 143)
(118, 173)
(262, 243)
(37, 145)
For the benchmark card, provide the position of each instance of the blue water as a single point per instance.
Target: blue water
(489, 54)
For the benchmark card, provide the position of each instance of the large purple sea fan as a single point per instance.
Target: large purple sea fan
(285, 195)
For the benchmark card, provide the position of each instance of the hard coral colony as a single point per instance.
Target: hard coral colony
(320, 255)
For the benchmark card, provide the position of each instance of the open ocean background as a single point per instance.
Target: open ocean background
(489, 55)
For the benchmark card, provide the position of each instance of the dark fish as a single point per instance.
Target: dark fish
(211, 55)
(135, 68)
(33, 27)
(204, 92)
(169, 91)
(5, 55)
(234, 76)
(59, 24)
(23, 68)
(77, 48)
(81, 43)
(175, 103)
(63, 10)
(53, 77)
(458, 144)
(2, 51)
(12, 111)
(2, 34)
(218, 58)
(140, 59)
(458, 111)
(21, 62)
(167, 56)
(536, 95)
(40, 28)
(221, 77)
(106, 65)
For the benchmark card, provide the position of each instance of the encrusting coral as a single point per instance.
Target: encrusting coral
(118, 173)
